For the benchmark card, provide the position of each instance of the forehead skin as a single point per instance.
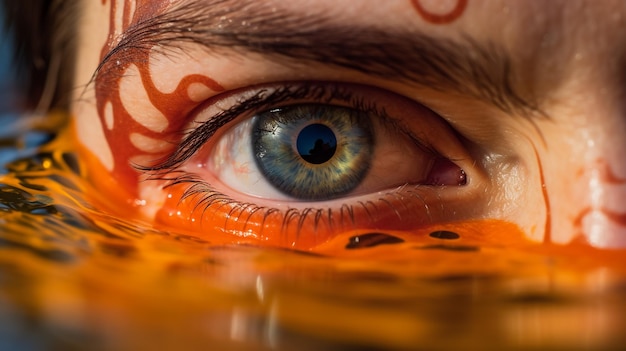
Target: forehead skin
(549, 39)
(568, 55)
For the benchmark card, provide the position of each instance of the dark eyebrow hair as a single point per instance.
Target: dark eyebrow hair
(481, 71)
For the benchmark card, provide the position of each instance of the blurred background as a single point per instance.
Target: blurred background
(8, 94)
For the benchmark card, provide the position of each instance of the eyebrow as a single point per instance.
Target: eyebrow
(481, 71)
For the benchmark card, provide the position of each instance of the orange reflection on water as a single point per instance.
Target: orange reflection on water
(73, 275)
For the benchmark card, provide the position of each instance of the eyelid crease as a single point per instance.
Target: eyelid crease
(270, 97)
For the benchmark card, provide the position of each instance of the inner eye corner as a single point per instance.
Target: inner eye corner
(447, 172)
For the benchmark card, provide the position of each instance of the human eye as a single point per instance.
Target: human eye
(293, 164)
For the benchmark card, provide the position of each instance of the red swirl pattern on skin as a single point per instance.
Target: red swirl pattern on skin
(435, 18)
(608, 177)
(174, 106)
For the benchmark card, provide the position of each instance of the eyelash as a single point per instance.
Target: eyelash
(315, 91)
(204, 195)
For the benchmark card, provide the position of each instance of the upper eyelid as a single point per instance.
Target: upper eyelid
(264, 97)
(198, 136)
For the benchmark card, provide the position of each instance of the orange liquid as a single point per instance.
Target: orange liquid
(75, 273)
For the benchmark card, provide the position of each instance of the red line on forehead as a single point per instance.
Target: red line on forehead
(144, 10)
(434, 18)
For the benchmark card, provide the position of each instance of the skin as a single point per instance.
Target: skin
(559, 176)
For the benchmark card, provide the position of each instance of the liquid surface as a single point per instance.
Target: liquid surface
(73, 277)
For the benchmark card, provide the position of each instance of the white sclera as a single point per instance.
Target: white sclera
(232, 161)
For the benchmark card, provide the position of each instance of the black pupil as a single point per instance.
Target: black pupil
(316, 143)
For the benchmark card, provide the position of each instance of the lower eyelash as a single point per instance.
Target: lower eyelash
(205, 196)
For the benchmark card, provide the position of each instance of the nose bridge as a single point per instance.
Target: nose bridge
(582, 146)
(599, 182)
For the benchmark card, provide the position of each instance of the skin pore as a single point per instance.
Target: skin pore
(514, 107)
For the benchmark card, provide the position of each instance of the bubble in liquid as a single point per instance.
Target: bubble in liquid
(367, 240)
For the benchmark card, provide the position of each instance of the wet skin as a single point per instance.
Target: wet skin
(481, 110)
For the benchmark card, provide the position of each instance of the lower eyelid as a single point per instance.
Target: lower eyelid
(203, 206)
(299, 224)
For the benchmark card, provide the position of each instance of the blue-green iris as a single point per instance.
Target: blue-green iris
(313, 152)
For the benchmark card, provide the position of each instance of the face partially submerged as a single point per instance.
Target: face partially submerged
(287, 123)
